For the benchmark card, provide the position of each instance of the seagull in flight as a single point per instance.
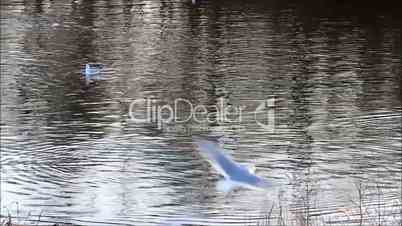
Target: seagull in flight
(235, 174)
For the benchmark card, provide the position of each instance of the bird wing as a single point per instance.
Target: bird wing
(217, 157)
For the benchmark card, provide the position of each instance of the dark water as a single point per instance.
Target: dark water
(71, 153)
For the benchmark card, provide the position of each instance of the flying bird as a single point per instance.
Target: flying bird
(235, 174)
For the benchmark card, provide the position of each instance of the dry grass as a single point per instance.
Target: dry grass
(369, 208)
(27, 221)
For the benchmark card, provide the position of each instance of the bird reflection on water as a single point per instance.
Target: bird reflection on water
(235, 175)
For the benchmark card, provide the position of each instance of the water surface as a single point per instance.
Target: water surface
(71, 153)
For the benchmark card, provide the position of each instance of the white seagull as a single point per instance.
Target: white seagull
(235, 174)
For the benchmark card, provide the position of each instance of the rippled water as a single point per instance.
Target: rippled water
(71, 153)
